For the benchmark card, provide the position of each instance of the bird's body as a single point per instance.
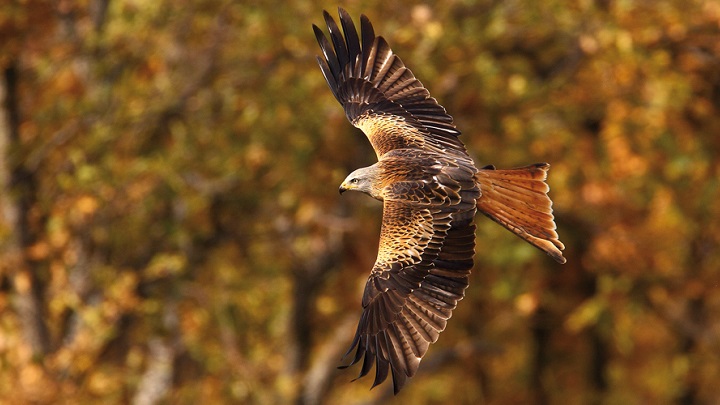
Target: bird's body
(425, 168)
(431, 191)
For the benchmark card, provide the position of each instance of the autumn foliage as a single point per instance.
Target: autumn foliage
(171, 231)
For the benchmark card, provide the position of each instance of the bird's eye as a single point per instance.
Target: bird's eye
(354, 181)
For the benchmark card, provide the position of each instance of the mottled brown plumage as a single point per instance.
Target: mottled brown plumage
(430, 190)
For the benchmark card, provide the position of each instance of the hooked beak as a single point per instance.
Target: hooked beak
(345, 187)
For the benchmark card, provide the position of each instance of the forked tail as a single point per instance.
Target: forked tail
(517, 199)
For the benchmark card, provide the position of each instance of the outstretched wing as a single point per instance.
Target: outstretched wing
(379, 94)
(427, 243)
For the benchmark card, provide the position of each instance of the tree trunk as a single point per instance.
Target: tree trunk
(18, 187)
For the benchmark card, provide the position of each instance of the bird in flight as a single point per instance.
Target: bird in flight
(431, 191)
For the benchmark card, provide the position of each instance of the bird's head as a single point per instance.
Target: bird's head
(360, 180)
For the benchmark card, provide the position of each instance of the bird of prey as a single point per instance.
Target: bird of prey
(431, 191)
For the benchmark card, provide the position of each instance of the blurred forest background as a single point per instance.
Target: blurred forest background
(171, 231)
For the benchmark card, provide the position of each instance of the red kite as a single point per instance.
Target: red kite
(430, 189)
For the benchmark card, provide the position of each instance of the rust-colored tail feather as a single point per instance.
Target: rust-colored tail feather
(517, 199)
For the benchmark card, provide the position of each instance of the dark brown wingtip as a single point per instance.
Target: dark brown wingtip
(366, 26)
(338, 40)
(326, 15)
(352, 41)
(399, 379)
